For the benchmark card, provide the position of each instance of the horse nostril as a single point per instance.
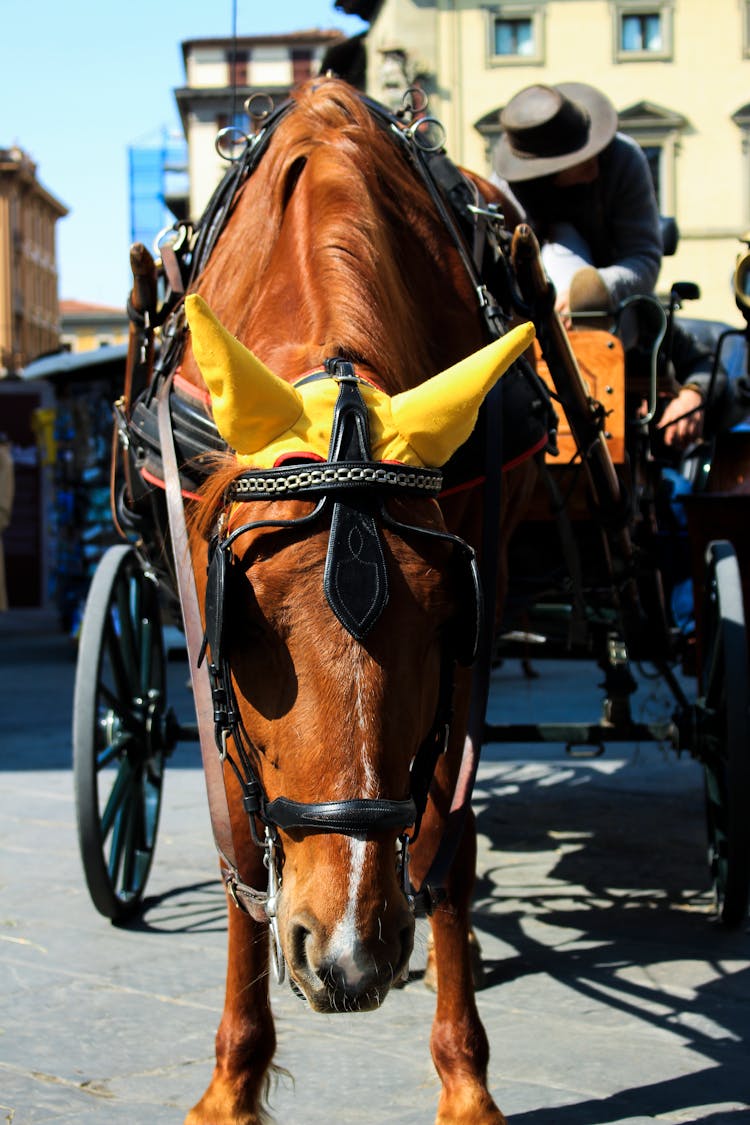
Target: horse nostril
(298, 936)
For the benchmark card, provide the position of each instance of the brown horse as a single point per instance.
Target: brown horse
(336, 664)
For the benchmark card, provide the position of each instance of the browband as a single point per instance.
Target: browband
(330, 477)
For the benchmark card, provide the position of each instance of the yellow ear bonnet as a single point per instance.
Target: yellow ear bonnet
(264, 418)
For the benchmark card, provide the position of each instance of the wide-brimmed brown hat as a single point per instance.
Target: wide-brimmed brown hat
(549, 128)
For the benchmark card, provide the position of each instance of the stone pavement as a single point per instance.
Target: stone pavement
(610, 995)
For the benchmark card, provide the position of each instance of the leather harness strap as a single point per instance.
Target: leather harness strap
(252, 900)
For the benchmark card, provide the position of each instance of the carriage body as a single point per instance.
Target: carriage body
(605, 562)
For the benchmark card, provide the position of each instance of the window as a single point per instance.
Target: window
(237, 62)
(515, 34)
(643, 31)
(514, 37)
(302, 65)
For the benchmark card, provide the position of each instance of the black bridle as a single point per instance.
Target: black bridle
(348, 485)
(354, 488)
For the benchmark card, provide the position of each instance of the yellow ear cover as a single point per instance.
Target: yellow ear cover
(251, 405)
(438, 416)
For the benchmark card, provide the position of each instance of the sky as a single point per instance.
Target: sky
(81, 80)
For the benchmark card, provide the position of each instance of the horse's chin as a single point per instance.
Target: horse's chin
(327, 1001)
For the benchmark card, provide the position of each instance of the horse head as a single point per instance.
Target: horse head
(336, 607)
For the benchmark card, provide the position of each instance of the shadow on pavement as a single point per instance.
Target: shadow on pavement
(605, 894)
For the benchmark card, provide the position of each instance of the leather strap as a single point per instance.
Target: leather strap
(432, 890)
(212, 765)
(350, 818)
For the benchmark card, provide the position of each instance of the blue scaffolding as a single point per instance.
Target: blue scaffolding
(158, 181)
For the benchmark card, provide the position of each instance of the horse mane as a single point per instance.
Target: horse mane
(334, 248)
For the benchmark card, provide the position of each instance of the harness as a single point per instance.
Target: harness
(350, 490)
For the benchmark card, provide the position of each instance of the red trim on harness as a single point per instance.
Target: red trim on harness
(305, 455)
(528, 453)
(147, 476)
(465, 487)
(190, 389)
(477, 481)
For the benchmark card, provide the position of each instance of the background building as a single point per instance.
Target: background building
(85, 326)
(221, 74)
(29, 314)
(678, 72)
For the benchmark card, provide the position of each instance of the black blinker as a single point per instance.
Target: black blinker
(470, 619)
(216, 589)
(355, 578)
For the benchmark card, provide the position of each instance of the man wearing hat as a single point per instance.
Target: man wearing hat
(587, 192)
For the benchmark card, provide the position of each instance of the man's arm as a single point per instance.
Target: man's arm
(633, 217)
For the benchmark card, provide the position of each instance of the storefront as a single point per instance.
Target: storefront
(73, 432)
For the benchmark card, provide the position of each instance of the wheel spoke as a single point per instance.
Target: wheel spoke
(122, 836)
(146, 648)
(127, 594)
(124, 682)
(130, 839)
(113, 750)
(118, 795)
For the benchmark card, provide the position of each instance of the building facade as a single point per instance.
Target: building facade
(221, 75)
(678, 72)
(85, 326)
(29, 313)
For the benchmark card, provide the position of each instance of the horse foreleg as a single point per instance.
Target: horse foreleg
(460, 1049)
(246, 1040)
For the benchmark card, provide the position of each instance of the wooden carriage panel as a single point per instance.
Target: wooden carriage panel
(601, 362)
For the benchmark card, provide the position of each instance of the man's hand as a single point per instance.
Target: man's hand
(682, 427)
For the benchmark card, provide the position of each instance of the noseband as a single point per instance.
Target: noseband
(354, 488)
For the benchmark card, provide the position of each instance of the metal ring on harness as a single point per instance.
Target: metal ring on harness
(428, 134)
(258, 106)
(414, 100)
(238, 140)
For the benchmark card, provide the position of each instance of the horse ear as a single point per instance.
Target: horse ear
(438, 416)
(251, 405)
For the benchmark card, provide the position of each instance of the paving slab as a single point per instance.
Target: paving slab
(611, 997)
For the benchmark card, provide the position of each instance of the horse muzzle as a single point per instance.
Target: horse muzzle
(345, 972)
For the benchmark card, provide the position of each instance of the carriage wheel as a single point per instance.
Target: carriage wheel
(725, 740)
(120, 731)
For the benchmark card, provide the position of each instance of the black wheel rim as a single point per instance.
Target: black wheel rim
(725, 739)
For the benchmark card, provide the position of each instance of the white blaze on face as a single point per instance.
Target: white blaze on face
(345, 938)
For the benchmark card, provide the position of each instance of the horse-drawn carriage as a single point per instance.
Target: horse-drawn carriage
(342, 500)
